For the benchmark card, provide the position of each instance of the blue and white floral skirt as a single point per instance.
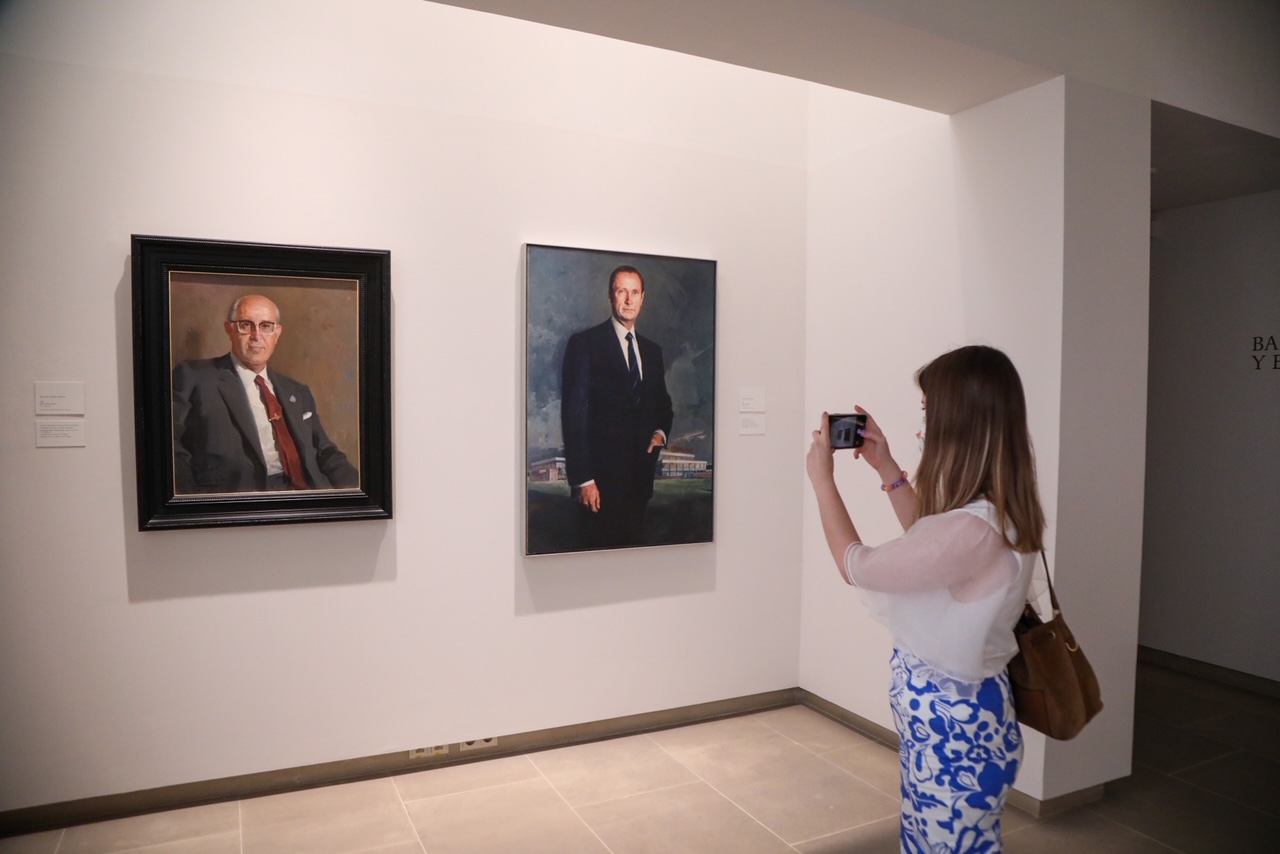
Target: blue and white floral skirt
(959, 756)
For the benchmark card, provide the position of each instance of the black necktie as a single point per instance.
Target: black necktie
(633, 366)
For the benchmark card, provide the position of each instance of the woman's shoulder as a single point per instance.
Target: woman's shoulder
(976, 516)
(970, 515)
(980, 507)
(983, 509)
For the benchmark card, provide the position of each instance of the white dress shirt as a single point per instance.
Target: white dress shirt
(266, 436)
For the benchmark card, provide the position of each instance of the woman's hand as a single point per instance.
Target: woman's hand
(837, 527)
(875, 449)
(820, 463)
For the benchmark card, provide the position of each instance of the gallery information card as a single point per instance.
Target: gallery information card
(59, 399)
(52, 433)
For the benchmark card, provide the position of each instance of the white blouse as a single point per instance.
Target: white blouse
(950, 590)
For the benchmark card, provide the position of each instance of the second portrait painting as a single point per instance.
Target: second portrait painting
(620, 400)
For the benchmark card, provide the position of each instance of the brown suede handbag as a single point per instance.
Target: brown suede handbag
(1055, 690)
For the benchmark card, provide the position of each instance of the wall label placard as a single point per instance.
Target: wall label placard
(1266, 353)
(59, 398)
(60, 433)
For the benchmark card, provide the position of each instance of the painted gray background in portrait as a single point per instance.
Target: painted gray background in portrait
(567, 291)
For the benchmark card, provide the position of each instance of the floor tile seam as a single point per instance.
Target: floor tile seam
(847, 829)
(801, 744)
(576, 814)
(1262, 751)
(1094, 812)
(722, 794)
(805, 747)
(685, 765)
(1231, 751)
(527, 757)
(143, 849)
(380, 811)
(1153, 769)
(378, 848)
(1228, 798)
(703, 779)
(818, 756)
(404, 807)
(1226, 801)
(62, 836)
(740, 808)
(1005, 834)
(1180, 725)
(664, 788)
(774, 729)
(1191, 725)
(1185, 727)
(855, 776)
(406, 801)
(694, 772)
(1214, 691)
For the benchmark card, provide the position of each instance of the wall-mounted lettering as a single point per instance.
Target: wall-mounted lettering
(1265, 353)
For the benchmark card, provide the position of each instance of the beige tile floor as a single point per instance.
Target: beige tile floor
(1206, 779)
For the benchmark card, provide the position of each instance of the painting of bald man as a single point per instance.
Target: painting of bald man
(263, 383)
(240, 422)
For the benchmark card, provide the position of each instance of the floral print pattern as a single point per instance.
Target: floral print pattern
(959, 759)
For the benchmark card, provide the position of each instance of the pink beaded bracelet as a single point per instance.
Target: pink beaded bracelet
(890, 487)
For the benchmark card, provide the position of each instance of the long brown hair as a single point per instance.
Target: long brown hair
(977, 444)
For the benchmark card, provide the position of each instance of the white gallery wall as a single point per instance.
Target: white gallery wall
(883, 297)
(1097, 544)
(132, 660)
(983, 229)
(1211, 553)
(451, 138)
(137, 660)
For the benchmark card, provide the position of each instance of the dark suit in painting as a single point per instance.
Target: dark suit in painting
(608, 428)
(215, 439)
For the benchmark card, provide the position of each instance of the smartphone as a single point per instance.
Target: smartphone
(844, 430)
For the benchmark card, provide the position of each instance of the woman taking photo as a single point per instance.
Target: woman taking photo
(950, 590)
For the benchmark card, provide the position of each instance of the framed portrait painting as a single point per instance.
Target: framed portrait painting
(620, 400)
(261, 383)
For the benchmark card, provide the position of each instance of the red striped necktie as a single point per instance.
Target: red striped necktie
(284, 439)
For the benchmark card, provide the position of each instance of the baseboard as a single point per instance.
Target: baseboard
(888, 737)
(1060, 804)
(107, 807)
(841, 715)
(1212, 672)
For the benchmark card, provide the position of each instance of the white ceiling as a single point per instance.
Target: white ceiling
(1194, 158)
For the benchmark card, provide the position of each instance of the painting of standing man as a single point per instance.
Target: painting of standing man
(620, 436)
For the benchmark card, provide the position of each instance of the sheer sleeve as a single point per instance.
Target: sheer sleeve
(949, 590)
(955, 550)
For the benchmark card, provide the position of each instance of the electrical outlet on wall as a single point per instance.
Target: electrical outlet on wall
(478, 743)
(424, 752)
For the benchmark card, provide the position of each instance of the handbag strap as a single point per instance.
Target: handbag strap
(1053, 597)
(1068, 639)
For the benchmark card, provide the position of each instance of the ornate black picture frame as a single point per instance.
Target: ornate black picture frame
(321, 325)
